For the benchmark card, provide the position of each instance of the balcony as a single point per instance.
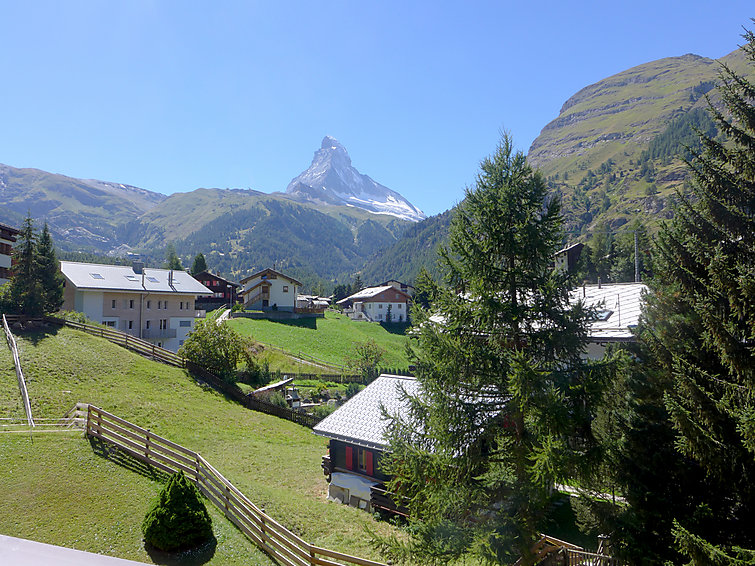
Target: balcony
(157, 334)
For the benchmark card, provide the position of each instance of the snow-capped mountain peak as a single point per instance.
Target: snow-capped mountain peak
(332, 179)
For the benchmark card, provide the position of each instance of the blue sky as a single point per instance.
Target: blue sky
(172, 96)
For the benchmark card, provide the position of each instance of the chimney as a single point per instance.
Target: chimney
(599, 283)
(138, 267)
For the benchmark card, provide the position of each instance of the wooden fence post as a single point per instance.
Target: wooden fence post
(196, 465)
(146, 446)
(89, 419)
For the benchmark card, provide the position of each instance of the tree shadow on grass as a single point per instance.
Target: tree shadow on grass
(35, 332)
(126, 460)
(395, 327)
(192, 557)
(310, 323)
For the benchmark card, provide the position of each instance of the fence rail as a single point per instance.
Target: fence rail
(168, 357)
(276, 540)
(19, 373)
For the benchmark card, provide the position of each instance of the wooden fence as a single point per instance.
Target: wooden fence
(19, 373)
(276, 540)
(166, 356)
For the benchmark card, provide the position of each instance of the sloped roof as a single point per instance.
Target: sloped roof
(123, 278)
(619, 303)
(269, 270)
(360, 420)
(370, 292)
(211, 275)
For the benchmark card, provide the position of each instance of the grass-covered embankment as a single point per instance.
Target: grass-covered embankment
(274, 462)
(331, 339)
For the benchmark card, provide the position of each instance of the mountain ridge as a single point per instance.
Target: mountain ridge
(332, 179)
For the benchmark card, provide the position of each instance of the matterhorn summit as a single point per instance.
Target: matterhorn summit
(331, 179)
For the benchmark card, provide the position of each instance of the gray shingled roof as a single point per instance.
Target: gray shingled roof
(622, 305)
(123, 278)
(360, 420)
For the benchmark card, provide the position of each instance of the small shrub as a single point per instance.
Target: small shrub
(278, 399)
(178, 519)
(322, 411)
(352, 389)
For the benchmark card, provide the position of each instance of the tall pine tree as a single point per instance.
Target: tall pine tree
(504, 390)
(702, 322)
(26, 291)
(48, 272)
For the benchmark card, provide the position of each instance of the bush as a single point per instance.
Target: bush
(178, 519)
(278, 399)
(322, 411)
(219, 349)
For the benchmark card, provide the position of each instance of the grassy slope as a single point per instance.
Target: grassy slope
(275, 462)
(331, 339)
(11, 406)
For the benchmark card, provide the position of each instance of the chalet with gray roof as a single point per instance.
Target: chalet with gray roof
(357, 441)
(270, 290)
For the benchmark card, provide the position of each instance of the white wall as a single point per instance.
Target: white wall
(378, 311)
(90, 303)
(278, 297)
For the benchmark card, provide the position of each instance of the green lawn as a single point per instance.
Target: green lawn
(331, 339)
(11, 406)
(274, 462)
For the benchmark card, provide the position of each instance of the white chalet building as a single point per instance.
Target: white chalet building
(373, 303)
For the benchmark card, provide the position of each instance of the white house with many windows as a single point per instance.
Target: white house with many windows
(384, 303)
(7, 239)
(152, 304)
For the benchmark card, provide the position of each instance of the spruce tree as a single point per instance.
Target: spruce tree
(504, 390)
(702, 327)
(48, 274)
(199, 264)
(26, 291)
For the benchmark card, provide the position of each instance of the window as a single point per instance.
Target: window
(131, 303)
(184, 323)
(285, 288)
(400, 305)
(181, 305)
(603, 315)
(112, 304)
(96, 276)
(130, 324)
(148, 324)
(149, 304)
(380, 306)
(152, 279)
(110, 323)
(165, 304)
(163, 324)
(365, 461)
(131, 277)
(159, 305)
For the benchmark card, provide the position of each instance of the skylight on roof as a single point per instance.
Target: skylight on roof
(131, 277)
(152, 279)
(603, 314)
(96, 276)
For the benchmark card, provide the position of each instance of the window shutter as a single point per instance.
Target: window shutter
(349, 458)
(368, 462)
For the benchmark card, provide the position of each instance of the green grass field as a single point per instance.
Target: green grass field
(331, 339)
(11, 406)
(58, 489)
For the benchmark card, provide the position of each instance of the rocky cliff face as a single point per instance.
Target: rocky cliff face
(331, 179)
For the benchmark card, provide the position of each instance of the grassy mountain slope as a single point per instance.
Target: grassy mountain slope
(274, 462)
(81, 213)
(615, 151)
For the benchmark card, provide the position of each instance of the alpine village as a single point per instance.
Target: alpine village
(558, 370)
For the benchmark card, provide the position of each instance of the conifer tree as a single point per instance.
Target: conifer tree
(49, 275)
(26, 291)
(503, 386)
(702, 322)
(199, 265)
